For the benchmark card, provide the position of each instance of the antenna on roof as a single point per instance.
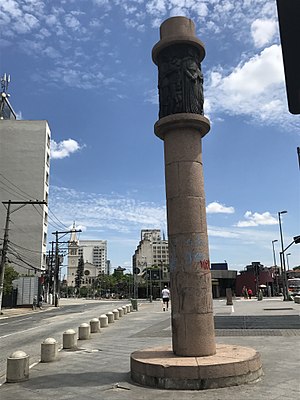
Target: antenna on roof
(4, 83)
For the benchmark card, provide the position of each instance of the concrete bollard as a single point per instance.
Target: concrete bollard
(134, 303)
(95, 325)
(110, 317)
(124, 309)
(121, 311)
(116, 314)
(229, 297)
(84, 332)
(103, 321)
(131, 307)
(69, 339)
(297, 299)
(128, 308)
(49, 350)
(17, 367)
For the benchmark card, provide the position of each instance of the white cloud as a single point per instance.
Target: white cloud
(217, 208)
(214, 231)
(72, 22)
(26, 23)
(255, 219)
(64, 148)
(11, 7)
(254, 88)
(263, 31)
(99, 212)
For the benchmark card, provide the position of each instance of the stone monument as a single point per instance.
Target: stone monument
(194, 361)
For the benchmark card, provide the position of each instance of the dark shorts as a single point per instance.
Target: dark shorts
(166, 299)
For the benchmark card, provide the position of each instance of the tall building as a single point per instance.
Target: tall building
(152, 251)
(94, 253)
(24, 176)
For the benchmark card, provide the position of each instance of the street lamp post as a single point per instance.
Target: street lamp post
(275, 265)
(287, 261)
(282, 259)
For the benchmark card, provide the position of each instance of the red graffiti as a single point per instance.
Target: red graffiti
(204, 264)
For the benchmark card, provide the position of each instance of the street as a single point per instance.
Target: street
(27, 332)
(100, 368)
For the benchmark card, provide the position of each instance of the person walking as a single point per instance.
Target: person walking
(34, 304)
(165, 293)
(250, 293)
(245, 292)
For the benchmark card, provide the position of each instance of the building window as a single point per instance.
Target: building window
(45, 238)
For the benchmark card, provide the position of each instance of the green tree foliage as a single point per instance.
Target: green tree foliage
(9, 275)
(118, 284)
(79, 272)
(83, 291)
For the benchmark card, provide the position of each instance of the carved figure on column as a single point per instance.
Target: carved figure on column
(180, 81)
(192, 86)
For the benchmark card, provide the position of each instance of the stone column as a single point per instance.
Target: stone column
(181, 126)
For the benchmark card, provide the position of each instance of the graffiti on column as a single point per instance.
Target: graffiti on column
(180, 81)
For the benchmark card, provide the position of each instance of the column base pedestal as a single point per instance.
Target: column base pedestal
(230, 366)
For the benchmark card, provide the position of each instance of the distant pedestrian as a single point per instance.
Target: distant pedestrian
(34, 304)
(166, 297)
(245, 292)
(40, 301)
(250, 293)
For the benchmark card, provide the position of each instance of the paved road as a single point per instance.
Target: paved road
(100, 369)
(27, 331)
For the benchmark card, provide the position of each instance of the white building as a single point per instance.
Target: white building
(24, 176)
(94, 253)
(152, 251)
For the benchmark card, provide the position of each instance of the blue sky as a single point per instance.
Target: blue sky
(85, 66)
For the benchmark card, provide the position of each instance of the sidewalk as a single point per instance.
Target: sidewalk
(12, 312)
(100, 369)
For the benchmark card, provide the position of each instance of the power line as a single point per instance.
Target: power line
(20, 255)
(62, 224)
(24, 248)
(17, 187)
(8, 191)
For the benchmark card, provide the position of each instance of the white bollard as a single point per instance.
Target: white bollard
(116, 314)
(131, 307)
(69, 339)
(110, 317)
(49, 350)
(103, 321)
(121, 311)
(128, 308)
(124, 309)
(95, 325)
(84, 332)
(17, 367)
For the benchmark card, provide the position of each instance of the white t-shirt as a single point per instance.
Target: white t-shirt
(165, 293)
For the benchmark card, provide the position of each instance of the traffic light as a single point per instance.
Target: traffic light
(297, 239)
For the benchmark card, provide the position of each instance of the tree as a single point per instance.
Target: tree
(9, 275)
(79, 273)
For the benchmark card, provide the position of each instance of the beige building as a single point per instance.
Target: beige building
(152, 251)
(94, 253)
(24, 176)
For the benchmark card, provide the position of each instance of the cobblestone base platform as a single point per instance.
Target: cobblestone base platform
(230, 366)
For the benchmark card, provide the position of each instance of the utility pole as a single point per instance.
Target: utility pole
(56, 263)
(5, 240)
